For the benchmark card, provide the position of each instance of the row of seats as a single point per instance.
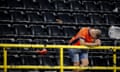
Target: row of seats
(60, 5)
(51, 59)
(51, 41)
(22, 30)
(51, 17)
(36, 30)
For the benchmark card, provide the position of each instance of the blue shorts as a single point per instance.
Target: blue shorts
(77, 54)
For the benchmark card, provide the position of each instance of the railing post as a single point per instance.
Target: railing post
(5, 59)
(114, 59)
(61, 60)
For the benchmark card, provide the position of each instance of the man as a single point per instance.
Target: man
(86, 36)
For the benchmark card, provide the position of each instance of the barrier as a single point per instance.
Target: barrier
(61, 67)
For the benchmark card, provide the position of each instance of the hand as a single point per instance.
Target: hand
(98, 42)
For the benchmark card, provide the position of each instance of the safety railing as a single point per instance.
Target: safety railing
(61, 67)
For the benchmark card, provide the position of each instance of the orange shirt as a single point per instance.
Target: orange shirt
(83, 34)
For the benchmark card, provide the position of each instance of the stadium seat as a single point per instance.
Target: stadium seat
(117, 4)
(1, 59)
(106, 6)
(69, 31)
(49, 60)
(31, 4)
(14, 59)
(81, 18)
(5, 16)
(32, 71)
(77, 6)
(19, 16)
(99, 61)
(49, 17)
(67, 18)
(104, 30)
(91, 6)
(15, 4)
(51, 71)
(30, 59)
(7, 40)
(40, 41)
(111, 19)
(117, 43)
(55, 31)
(97, 19)
(67, 61)
(39, 31)
(61, 5)
(3, 4)
(56, 42)
(22, 30)
(118, 60)
(7, 30)
(15, 71)
(107, 43)
(35, 17)
(45, 5)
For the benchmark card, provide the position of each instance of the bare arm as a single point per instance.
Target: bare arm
(96, 43)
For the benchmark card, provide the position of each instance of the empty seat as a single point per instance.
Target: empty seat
(91, 6)
(46, 5)
(20, 41)
(77, 5)
(117, 43)
(22, 30)
(23, 41)
(118, 60)
(106, 6)
(16, 4)
(67, 61)
(14, 60)
(100, 61)
(97, 19)
(55, 31)
(56, 42)
(118, 71)
(30, 60)
(5, 15)
(7, 30)
(104, 32)
(61, 5)
(31, 4)
(117, 5)
(3, 4)
(51, 71)
(107, 43)
(111, 18)
(15, 70)
(35, 17)
(66, 17)
(19, 16)
(69, 31)
(50, 60)
(1, 60)
(81, 18)
(39, 31)
(49, 17)
(31, 70)
(40, 41)
(7, 40)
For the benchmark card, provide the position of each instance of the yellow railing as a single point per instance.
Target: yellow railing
(61, 67)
